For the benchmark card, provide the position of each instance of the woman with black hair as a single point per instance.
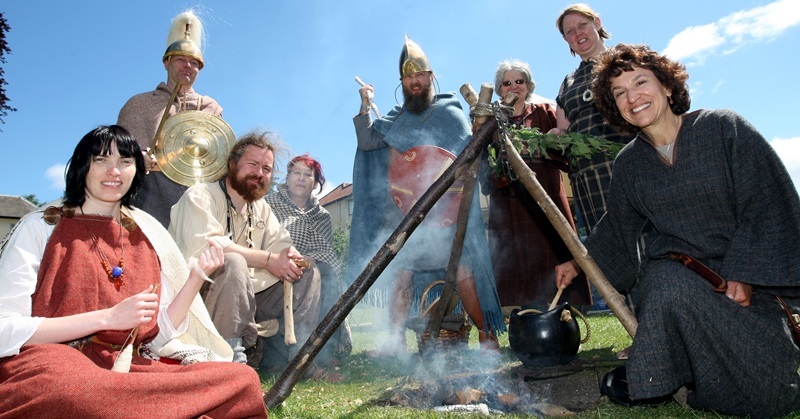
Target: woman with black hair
(91, 276)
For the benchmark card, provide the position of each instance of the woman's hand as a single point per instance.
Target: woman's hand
(739, 292)
(212, 258)
(134, 311)
(566, 272)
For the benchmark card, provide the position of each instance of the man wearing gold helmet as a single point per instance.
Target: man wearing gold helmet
(426, 121)
(143, 113)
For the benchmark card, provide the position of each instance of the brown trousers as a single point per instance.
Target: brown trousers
(235, 308)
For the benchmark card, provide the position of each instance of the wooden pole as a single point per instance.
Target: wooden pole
(613, 299)
(302, 361)
(448, 290)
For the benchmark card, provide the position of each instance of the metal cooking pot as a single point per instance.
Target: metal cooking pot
(546, 339)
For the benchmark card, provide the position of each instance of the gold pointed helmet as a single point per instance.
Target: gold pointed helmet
(412, 59)
(185, 37)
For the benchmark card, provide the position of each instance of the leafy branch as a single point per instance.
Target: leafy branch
(572, 146)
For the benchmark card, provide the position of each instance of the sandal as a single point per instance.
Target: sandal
(320, 374)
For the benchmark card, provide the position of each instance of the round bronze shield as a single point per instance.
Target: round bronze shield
(413, 172)
(193, 147)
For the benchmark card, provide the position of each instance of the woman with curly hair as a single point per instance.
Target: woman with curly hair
(712, 325)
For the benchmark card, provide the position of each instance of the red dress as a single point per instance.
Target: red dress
(525, 247)
(56, 380)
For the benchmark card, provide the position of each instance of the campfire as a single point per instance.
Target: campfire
(510, 387)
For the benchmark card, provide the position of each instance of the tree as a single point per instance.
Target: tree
(4, 107)
(33, 200)
(341, 245)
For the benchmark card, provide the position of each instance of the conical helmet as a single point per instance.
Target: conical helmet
(185, 37)
(412, 59)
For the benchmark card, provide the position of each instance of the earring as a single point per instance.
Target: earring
(669, 98)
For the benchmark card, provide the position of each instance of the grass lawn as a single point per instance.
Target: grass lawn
(368, 381)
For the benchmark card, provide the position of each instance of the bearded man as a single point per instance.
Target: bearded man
(246, 291)
(425, 119)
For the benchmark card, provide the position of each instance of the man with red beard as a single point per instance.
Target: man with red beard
(427, 123)
(246, 292)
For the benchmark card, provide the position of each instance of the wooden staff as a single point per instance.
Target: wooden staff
(613, 299)
(288, 305)
(446, 300)
(301, 362)
(288, 313)
(165, 115)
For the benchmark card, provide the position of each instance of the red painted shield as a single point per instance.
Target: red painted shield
(413, 172)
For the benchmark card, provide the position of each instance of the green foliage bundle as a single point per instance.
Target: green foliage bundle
(570, 147)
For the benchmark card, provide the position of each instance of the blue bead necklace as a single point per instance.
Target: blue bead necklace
(114, 274)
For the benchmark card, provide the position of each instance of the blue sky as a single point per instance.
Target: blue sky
(289, 66)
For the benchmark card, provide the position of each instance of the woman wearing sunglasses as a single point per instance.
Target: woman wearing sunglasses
(524, 246)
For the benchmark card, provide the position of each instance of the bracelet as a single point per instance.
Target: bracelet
(363, 110)
(266, 266)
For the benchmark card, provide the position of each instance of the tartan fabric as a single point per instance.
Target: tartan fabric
(712, 203)
(590, 188)
(311, 229)
(592, 176)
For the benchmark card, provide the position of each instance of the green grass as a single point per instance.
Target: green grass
(369, 381)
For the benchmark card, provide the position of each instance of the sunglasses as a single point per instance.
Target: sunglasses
(507, 83)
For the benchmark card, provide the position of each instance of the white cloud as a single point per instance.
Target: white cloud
(693, 40)
(718, 86)
(55, 174)
(758, 24)
(789, 151)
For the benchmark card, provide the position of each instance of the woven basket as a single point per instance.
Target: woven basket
(455, 329)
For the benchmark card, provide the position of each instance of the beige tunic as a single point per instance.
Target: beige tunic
(202, 213)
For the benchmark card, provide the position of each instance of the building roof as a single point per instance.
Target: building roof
(15, 206)
(338, 193)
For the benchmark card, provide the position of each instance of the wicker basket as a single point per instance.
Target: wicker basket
(454, 331)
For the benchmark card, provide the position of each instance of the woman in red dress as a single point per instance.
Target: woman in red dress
(90, 275)
(525, 247)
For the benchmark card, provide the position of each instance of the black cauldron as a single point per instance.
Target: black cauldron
(544, 339)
